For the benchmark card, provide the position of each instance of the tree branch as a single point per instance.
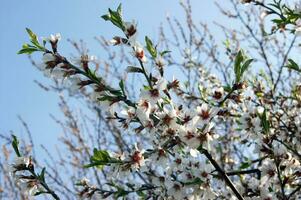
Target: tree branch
(222, 174)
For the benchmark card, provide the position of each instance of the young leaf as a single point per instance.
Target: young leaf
(119, 10)
(265, 122)
(164, 52)
(244, 165)
(237, 65)
(99, 159)
(293, 65)
(150, 47)
(15, 144)
(133, 69)
(121, 85)
(106, 98)
(32, 35)
(115, 17)
(40, 192)
(34, 39)
(28, 50)
(117, 93)
(245, 66)
(120, 193)
(42, 175)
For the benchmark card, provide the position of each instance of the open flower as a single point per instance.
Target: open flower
(298, 27)
(137, 158)
(131, 30)
(29, 185)
(189, 137)
(154, 95)
(139, 53)
(204, 114)
(49, 60)
(268, 171)
(20, 164)
(54, 38)
(169, 116)
(84, 61)
(143, 111)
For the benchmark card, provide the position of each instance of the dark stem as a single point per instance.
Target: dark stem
(282, 184)
(283, 62)
(239, 172)
(46, 187)
(222, 174)
(226, 97)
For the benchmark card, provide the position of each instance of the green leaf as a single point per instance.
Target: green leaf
(237, 65)
(106, 17)
(227, 88)
(121, 85)
(28, 50)
(245, 66)
(42, 175)
(133, 69)
(120, 193)
(241, 64)
(164, 52)
(141, 194)
(15, 144)
(40, 192)
(117, 93)
(100, 155)
(245, 165)
(34, 39)
(293, 65)
(32, 35)
(196, 181)
(99, 159)
(150, 47)
(115, 17)
(106, 98)
(265, 122)
(119, 10)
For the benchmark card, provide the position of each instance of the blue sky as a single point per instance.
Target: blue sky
(74, 19)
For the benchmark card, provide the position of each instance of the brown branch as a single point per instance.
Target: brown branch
(222, 174)
(239, 172)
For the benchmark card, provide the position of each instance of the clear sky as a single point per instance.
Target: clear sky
(74, 19)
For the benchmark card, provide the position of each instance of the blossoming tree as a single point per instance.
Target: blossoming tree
(228, 126)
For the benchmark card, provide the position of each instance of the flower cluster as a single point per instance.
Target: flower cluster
(225, 141)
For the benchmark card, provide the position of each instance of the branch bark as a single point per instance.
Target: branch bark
(222, 174)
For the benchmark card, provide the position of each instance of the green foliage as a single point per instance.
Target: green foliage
(42, 175)
(40, 192)
(150, 47)
(115, 17)
(195, 181)
(285, 15)
(27, 49)
(33, 37)
(241, 64)
(227, 88)
(293, 65)
(133, 69)
(101, 158)
(141, 195)
(121, 85)
(245, 165)
(34, 46)
(164, 52)
(265, 122)
(15, 144)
